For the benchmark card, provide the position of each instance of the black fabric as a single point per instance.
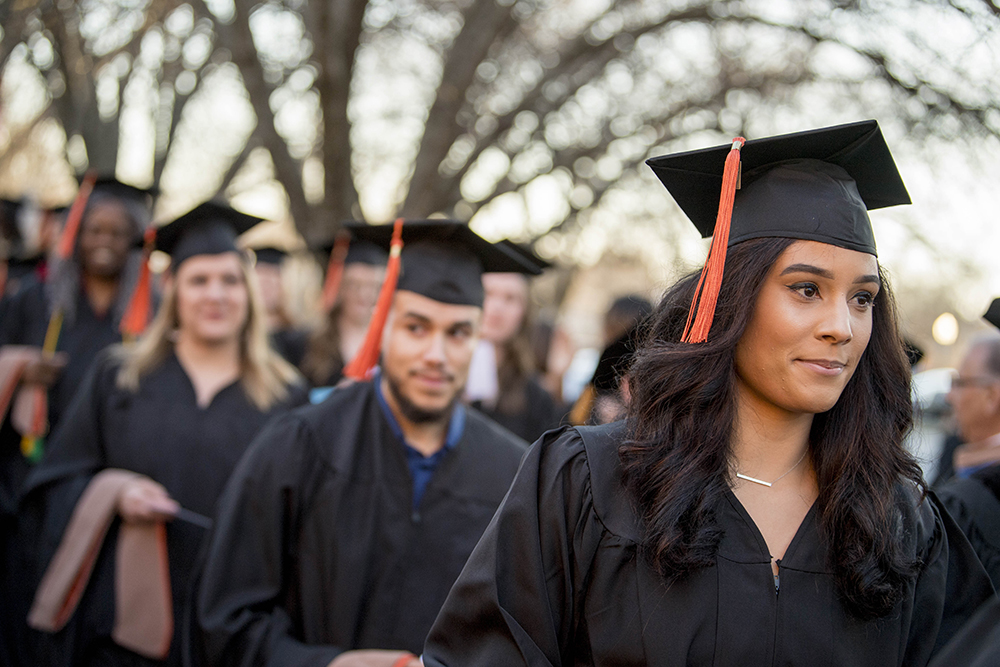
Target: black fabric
(816, 185)
(993, 313)
(558, 580)
(540, 413)
(270, 255)
(158, 431)
(290, 344)
(317, 548)
(978, 644)
(976, 510)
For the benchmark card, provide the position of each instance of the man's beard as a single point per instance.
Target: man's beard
(415, 413)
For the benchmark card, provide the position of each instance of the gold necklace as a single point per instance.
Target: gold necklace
(769, 484)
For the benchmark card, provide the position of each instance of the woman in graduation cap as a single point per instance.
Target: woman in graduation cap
(153, 436)
(354, 276)
(757, 506)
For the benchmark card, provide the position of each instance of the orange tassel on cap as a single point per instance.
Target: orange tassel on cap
(335, 270)
(702, 311)
(366, 359)
(136, 315)
(67, 241)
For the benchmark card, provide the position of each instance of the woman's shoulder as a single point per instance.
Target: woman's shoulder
(588, 455)
(921, 518)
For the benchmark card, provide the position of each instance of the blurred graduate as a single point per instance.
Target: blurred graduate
(133, 471)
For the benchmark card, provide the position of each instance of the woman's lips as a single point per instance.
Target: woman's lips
(827, 367)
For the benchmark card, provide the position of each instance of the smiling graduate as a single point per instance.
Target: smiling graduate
(144, 451)
(757, 507)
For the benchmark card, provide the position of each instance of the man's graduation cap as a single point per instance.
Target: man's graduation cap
(526, 253)
(443, 260)
(210, 228)
(993, 313)
(817, 185)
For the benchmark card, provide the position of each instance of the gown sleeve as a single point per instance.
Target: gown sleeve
(950, 586)
(241, 613)
(516, 601)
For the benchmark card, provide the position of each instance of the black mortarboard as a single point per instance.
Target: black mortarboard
(360, 251)
(444, 260)
(993, 313)
(527, 253)
(269, 255)
(112, 186)
(208, 229)
(816, 185)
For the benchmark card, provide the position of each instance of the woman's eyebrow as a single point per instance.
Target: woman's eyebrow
(823, 273)
(808, 268)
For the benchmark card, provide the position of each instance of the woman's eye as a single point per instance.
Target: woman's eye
(807, 290)
(864, 298)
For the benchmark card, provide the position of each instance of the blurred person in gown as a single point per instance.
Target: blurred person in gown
(973, 495)
(51, 330)
(290, 341)
(145, 449)
(605, 398)
(349, 309)
(503, 382)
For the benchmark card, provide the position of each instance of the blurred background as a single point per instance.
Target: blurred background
(529, 118)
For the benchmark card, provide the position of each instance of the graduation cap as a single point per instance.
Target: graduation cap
(269, 255)
(210, 228)
(816, 185)
(111, 186)
(993, 313)
(527, 253)
(443, 260)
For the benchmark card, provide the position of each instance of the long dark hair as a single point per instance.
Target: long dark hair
(677, 456)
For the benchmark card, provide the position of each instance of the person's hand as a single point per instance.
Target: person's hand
(44, 369)
(144, 500)
(371, 658)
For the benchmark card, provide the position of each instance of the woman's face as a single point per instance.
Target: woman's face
(809, 328)
(106, 236)
(212, 299)
(505, 302)
(359, 288)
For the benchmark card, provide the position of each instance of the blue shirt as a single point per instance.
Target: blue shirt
(421, 467)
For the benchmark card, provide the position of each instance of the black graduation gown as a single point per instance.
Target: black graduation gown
(975, 505)
(24, 320)
(978, 644)
(557, 580)
(290, 344)
(540, 413)
(158, 431)
(317, 547)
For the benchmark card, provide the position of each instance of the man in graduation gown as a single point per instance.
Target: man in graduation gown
(973, 496)
(347, 522)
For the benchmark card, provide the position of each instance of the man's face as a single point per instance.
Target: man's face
(975, 397)
(426, 349)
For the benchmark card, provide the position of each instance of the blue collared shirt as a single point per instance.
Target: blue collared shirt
(421, 467)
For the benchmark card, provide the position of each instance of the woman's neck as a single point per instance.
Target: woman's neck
(100, 292)
(352, 335)
(768, 440)
(210, 367)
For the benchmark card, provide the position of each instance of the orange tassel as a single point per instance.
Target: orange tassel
(702, 311)
(67, 241)
(364, 362)
(136, 315)
(335, 271)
